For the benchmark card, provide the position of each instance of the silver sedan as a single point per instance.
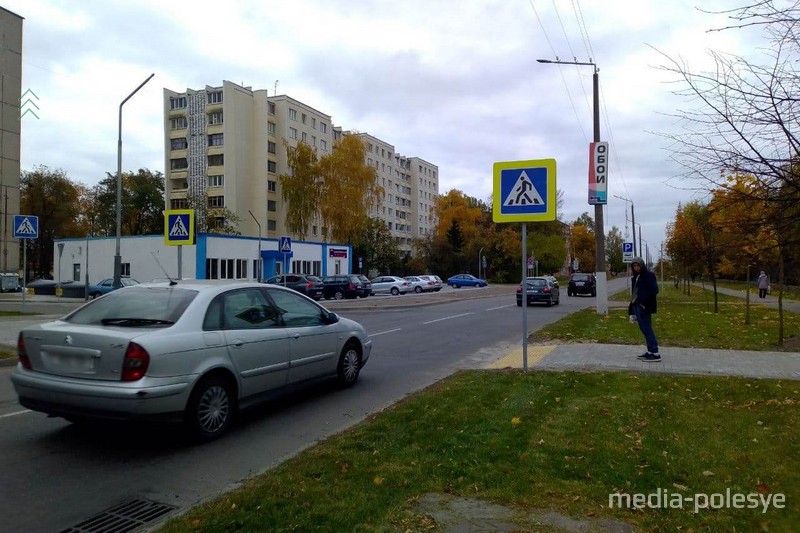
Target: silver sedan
(192, 351)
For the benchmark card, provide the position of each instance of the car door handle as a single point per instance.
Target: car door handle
(296, 336)
(238, 343)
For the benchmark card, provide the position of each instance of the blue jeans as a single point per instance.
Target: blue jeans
(645, 322)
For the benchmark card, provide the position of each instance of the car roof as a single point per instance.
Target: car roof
(202, 285)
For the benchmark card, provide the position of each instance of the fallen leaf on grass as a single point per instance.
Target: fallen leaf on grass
(708, 473)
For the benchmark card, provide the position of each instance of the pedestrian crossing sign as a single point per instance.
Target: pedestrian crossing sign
(524, 191)
(179, 227)
(26, 227)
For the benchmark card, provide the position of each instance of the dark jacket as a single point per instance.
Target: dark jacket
(646, 287)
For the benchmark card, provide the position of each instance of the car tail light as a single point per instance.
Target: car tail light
(351, 287)
(22, 354)
(405, 284)
(309, 284)
(519, 289)
(546, 289)
(134, 367)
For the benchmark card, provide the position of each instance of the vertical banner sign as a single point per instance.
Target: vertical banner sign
(598, 173)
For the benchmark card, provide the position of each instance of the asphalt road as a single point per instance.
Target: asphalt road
(55, 475)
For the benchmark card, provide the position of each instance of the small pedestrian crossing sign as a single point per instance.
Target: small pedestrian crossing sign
(179, 227)
(26, 227)
(285, 245)
(524, 191)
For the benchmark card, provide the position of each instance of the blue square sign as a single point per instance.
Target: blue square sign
(26, 227)
(524, 191)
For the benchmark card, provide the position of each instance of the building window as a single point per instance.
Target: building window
(313, 123)
(272, 225)
(272, 205)
(271, 108)
(323, 144)
(271, 128)
(216, 160)
(271, 186)
(178, 144)
(303, 118)
(216, 201)
(313, 141)
(178, 164)
(241, 269)
(125, 269)
(314, 231)
(177, 123)
(178, 203)
(292, 133)
(218, 180)
(323, 127)
(177, 103)
(271, 147)
(303, 137)
(215, 97)
(292, 114)
(226, 269)
(215, 139)
(272, 166)
(215, 118)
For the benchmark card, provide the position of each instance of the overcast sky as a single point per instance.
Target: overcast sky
(454, 82)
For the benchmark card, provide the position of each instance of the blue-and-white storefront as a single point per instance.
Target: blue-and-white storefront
(211, 257)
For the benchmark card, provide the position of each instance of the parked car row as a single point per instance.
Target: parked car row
(348, 286)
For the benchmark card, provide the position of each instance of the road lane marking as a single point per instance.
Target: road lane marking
(384, 332)
(16, 413)
(501, 307)
(447, 318)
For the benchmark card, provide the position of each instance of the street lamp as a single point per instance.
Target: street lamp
(633, 219)
(117, 257)
(599, 238)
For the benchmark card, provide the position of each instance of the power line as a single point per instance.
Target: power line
(572, 52)
(561, 72)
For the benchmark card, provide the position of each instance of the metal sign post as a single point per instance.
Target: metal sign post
(524, 191)
(26, 227)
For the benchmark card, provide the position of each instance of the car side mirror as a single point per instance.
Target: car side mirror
(332, 318)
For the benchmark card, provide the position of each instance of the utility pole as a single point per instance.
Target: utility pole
(633, 220)
(599, 238)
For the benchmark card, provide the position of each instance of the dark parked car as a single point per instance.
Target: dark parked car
(307, 284)
(539, 289)
(342, 286)
(367, 284)
(582, 283)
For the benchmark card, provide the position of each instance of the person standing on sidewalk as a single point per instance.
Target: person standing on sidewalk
(644, 289)
(762, 282)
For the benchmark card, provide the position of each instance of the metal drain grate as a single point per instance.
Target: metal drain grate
(123, 518)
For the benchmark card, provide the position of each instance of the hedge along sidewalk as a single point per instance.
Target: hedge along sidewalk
(682, 321)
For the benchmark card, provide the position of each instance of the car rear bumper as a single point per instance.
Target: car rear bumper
(104, 399)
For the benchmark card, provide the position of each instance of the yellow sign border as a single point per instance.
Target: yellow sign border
(182, 242)
(497, 201)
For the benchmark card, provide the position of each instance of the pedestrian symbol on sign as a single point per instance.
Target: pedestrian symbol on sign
(523, 193)
(25, 228)
(178, 229)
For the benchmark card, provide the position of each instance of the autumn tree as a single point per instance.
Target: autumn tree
(349, 189)
(301, 188)
(741, 118)
(583, 242)
(50, 195)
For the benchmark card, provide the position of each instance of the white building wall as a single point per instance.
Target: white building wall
(139, 254)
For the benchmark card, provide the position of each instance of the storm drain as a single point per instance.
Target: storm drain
(123, 518)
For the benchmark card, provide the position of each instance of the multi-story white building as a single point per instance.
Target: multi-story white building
(229, 142)
(10, 94)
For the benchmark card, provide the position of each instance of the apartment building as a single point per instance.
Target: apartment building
(10, 93)
(229, 142)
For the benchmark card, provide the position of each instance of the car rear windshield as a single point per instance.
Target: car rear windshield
(158, 305)
(580, 277)
(536, 282)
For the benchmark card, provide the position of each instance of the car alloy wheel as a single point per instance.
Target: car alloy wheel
(338, 295)
(210, 409)
(418, 289)
(349, 365)
(395, 291)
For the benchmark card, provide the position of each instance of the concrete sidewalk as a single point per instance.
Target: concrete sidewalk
(693, 361)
